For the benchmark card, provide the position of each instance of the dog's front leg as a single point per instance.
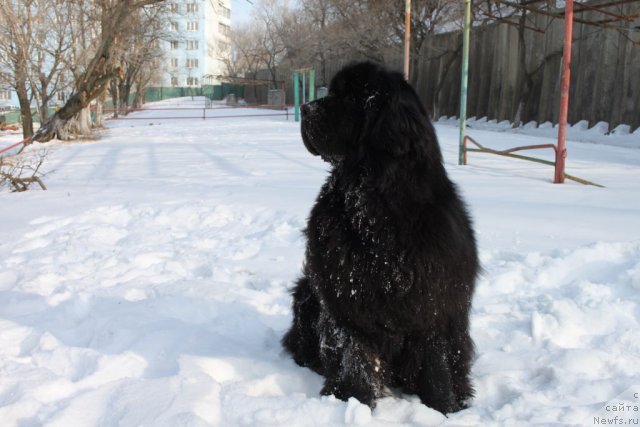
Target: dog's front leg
(351, 367)
(302, 338)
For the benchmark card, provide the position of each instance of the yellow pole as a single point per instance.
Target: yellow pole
(407, 37)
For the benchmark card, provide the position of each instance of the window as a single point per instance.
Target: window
(224, 29)
(224, 11)
(174, 26)
(5, 94)
(192, 81)
(192, 26)
(174, 62)
(174, 44)
(192, 44)
(174, 81)
(61, 96)
(173, 7)
(192, 7)
(192, 63)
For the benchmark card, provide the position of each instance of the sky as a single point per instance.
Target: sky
(240, 11)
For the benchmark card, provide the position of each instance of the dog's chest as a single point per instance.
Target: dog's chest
(353, 213)
(352, 242)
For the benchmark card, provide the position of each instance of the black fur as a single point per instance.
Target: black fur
(391, 257)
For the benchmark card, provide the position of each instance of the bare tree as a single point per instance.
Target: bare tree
(314, 43)
(428, 18)
(19, 172)
(138, 55)
(245, 56)
(15, 43)
(510, 14)
(271, 17)
(51, 49)
(339, 30)
(101, 68)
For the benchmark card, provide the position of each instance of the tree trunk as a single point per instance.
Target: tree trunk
(23, 94)
(455, 55)
(84, 121)
(44, 108)
(25, 109)
(122, 108)
(115, 99)
(525, 77)
(99, 111)
(138, 98)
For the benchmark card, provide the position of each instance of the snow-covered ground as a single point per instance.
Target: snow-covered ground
(148, 285)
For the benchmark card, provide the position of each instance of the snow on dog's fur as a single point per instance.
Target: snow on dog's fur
(391, 258)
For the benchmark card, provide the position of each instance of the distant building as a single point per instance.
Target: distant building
(199, 36)
(8, 98)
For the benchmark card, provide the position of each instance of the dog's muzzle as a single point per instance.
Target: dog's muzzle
(308, 127)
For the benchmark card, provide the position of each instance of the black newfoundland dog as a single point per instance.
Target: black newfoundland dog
(391, 257)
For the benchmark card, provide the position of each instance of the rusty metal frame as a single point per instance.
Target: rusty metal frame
(509, 153)
(559, 148)
(581, 7)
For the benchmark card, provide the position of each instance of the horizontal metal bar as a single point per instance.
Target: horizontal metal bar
(532, 159)
(136, 110)
(200, 117)
(24, 141)
(517, 156)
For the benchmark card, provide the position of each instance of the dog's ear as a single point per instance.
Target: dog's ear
(400, 125)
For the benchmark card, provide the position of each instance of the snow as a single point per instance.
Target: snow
(149, 284)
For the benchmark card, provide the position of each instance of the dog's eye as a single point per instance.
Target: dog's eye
(370, 101)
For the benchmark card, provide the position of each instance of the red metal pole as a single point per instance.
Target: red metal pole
(5, 149)
(407, 37)
(561, 150)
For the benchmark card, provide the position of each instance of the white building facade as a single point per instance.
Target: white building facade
(199, 33)
(8, 98)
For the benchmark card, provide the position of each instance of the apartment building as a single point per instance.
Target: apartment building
(199, 33)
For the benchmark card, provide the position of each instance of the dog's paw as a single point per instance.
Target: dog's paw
(446, 406)
(363, 392)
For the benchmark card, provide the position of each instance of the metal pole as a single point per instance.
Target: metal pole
(296, 96)
(407, 37)
(304, 87)
(312, 85)
(464, 78)
(561, 150)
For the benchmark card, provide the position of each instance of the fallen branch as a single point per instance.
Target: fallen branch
(20, 172)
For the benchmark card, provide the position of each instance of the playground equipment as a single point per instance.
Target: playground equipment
(301, 76)
(560, 146)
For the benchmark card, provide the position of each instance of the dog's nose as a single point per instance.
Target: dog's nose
(305, 108)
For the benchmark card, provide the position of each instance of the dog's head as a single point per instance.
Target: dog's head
(369, 112)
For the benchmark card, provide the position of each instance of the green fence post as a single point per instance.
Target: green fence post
(312, 85)
(304, 87)
(296, 96)
(464, 77)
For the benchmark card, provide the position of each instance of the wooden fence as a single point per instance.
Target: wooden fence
(605, 72)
